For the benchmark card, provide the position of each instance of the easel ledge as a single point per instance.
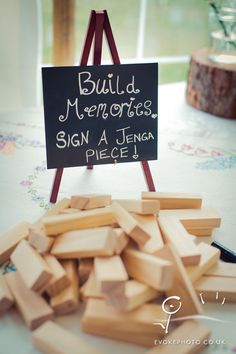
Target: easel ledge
(99, 23)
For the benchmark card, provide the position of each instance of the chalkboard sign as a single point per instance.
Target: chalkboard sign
(100, 114)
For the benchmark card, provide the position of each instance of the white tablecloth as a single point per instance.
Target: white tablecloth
(197, 154)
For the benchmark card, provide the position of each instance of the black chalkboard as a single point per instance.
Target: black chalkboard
(100, 114)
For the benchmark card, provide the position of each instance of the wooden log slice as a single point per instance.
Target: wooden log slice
(211, 87)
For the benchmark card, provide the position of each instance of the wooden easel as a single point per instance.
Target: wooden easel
(98, 23)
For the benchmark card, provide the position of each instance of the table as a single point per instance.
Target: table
(197, 154)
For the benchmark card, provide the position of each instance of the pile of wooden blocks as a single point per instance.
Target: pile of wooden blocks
(122, 258)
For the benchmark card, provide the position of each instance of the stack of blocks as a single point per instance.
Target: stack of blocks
(122, 258)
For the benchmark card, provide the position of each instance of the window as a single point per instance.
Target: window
(168, 30)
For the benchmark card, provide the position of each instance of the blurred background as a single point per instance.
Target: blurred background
(167, 31)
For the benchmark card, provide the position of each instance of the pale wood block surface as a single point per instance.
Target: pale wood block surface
(32, 307)
(110, 274)
(138, 206)
(85, 243)
(38, 239)
(129, 224)
(135, 294)
(91, 288)
(174, 232)
(205, 218)
(193, 238)
(209, 256)
(31, 266)
(85, 267)
(51, 338)
(67, 301)
(188, 338)
(54, 210)
(11, 238)
(175, 200)
(58, 224)
(69, 211)
(148, 269)
(122, 240)
(135, 326)
(222, 269)
(200, 231)
(6, 298)
(181, 285)
(59, 280)
(150, 225)
(90, 201)
(59, 206)
(215, 289)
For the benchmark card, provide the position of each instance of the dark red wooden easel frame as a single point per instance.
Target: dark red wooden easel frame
(98, 23)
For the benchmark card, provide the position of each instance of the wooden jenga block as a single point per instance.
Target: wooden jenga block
(67, 301)
(216, 289)
(85, 267)
(209, 256)
(59, 280)
(150, 225)
(135, 294)
(39, 240)
(58, 224)
(51, 338)
(58, 207)
(135, 326)
(222, 269)
(122, 240)
(193, 237)
(190, 337)
(91, 288)
(148, 269)
(200, 232)
(54, 210)
(175, 200)
(6, 298)
(85, 243)
(181, 285)
(174, 232)
(69, 211)
(129, 224)
(10, 240)
(90, 201)
(144, 207)
(32, 307)
(111, 274)
(31, 266)
(205, 218)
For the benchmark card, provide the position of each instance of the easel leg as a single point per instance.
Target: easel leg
(56, 185)
(99, 24)
(99, 21)
(148, 176)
